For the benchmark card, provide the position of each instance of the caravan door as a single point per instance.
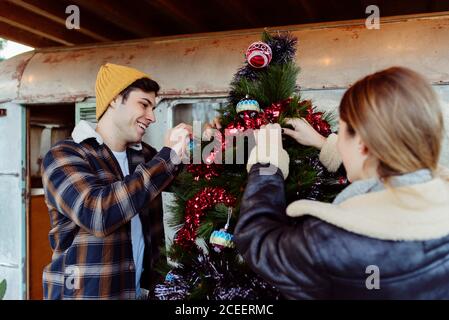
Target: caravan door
(12, 199)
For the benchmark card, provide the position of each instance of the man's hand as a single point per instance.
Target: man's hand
(304, 133)
(209, 128)
(178, 138)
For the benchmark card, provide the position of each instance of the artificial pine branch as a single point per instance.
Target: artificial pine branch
(211, 276)
(277, 84)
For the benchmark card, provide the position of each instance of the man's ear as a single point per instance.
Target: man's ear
(115, 102)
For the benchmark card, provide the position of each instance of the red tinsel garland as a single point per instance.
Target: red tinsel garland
(273, 112)
(196, 207)
(317, 122)
(203, 170)
(250, 119)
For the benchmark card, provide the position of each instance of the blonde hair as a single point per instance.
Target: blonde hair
(398, 116)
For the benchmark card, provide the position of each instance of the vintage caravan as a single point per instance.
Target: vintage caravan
(43, 94)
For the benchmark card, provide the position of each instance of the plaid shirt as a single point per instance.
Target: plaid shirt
(90, 206)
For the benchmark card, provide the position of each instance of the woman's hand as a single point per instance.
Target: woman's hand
(304, 133)
(269, 135)
(268, 149)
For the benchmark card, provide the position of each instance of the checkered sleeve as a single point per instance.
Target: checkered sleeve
(79, 193)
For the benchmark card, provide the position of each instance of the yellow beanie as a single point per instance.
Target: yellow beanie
(111, 80)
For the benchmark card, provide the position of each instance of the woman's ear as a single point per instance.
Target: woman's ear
(370, 163)
(363, 149)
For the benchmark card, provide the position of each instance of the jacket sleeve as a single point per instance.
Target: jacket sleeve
(329, 155)
(277, 247)
(76, 191)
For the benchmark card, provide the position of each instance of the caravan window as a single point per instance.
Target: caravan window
(169, 113)
(203, 111)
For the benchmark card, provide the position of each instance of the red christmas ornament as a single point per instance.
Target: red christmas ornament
(258, 54)
(196, 207)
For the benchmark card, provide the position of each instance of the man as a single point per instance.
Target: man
(102, 189)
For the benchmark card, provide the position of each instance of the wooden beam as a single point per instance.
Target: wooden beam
(238, 12)
(90, 24)
(44, 10)
(21, 36)
(174, 12)
(306, 8)
(332, 10)
(34, 23)
(120, 13)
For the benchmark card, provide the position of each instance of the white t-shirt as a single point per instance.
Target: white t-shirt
(137, 239)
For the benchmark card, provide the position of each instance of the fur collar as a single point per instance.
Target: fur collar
(86, 130)
(415, 212)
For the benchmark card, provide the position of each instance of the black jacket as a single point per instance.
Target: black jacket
(307, 258)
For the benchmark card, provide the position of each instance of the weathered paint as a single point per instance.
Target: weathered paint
(329, 56)
(12, 204)
(11, 71)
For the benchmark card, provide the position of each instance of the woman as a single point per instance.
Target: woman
(386, 236)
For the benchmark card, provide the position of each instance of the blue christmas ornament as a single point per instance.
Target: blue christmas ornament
(247, 105)
(222, 239)
(170, 277)
(191, 144)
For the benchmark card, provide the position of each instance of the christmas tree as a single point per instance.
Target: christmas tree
(208, 194)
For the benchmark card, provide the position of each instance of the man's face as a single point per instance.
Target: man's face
(133, 116)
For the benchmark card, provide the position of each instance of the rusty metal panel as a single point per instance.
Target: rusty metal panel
(330, 57)
(11, 71)
(336, 57)
(181, 67)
